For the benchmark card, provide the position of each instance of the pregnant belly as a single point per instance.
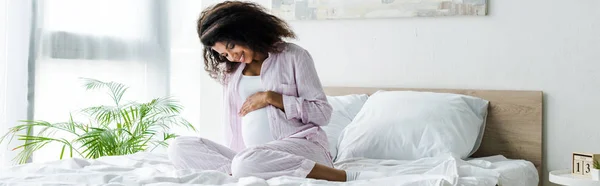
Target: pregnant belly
(255, 128)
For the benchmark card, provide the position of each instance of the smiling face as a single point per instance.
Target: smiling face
(222, 22)
(235, 53)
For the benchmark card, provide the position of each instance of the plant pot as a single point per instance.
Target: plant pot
(595, 174)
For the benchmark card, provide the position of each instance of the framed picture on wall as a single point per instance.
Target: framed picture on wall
(361, 9)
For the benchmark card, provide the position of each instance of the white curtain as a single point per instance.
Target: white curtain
(15, 26)
(3, 63)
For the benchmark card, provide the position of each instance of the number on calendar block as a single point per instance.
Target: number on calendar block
(583, 163)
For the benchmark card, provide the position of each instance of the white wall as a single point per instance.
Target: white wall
(553, 46)
(200, 95)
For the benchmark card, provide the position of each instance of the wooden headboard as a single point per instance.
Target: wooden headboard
(514, 121)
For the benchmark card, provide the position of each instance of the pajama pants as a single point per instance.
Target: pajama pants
(286, 157)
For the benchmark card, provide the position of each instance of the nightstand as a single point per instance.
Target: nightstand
(564, 177)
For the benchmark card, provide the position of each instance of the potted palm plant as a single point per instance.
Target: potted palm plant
(117, 129)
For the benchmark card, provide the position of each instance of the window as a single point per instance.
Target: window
(108, 40)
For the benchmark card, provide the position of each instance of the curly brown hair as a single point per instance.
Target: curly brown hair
(222, 23)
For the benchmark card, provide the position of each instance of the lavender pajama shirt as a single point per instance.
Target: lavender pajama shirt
(299, 140)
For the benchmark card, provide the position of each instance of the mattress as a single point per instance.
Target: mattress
(155, 169)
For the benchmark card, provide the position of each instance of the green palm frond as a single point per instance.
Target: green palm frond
(46, 129)
(34, 143)
(165, 105)
(116, 90)
(104, 115)
(117, 129)
(28, 149)
(91, 84)
(99, 142)
(163, 142)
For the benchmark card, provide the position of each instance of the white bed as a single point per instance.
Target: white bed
(513, 130)
(155, 169)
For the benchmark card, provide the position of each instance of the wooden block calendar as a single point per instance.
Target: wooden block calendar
(583, 163)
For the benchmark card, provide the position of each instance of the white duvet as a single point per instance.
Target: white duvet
(155, 169)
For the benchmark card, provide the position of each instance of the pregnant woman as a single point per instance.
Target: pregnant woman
(274, 101)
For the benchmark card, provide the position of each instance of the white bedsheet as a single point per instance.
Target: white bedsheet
(155, 169)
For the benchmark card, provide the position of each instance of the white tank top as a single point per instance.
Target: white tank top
(255, 125)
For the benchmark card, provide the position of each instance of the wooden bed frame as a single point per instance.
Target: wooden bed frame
(514, 121)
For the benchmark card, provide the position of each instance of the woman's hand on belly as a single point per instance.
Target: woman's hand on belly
(260, 100)
(254, 102)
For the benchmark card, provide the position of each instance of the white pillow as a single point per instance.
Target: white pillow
(344, 109)
(407, 125)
